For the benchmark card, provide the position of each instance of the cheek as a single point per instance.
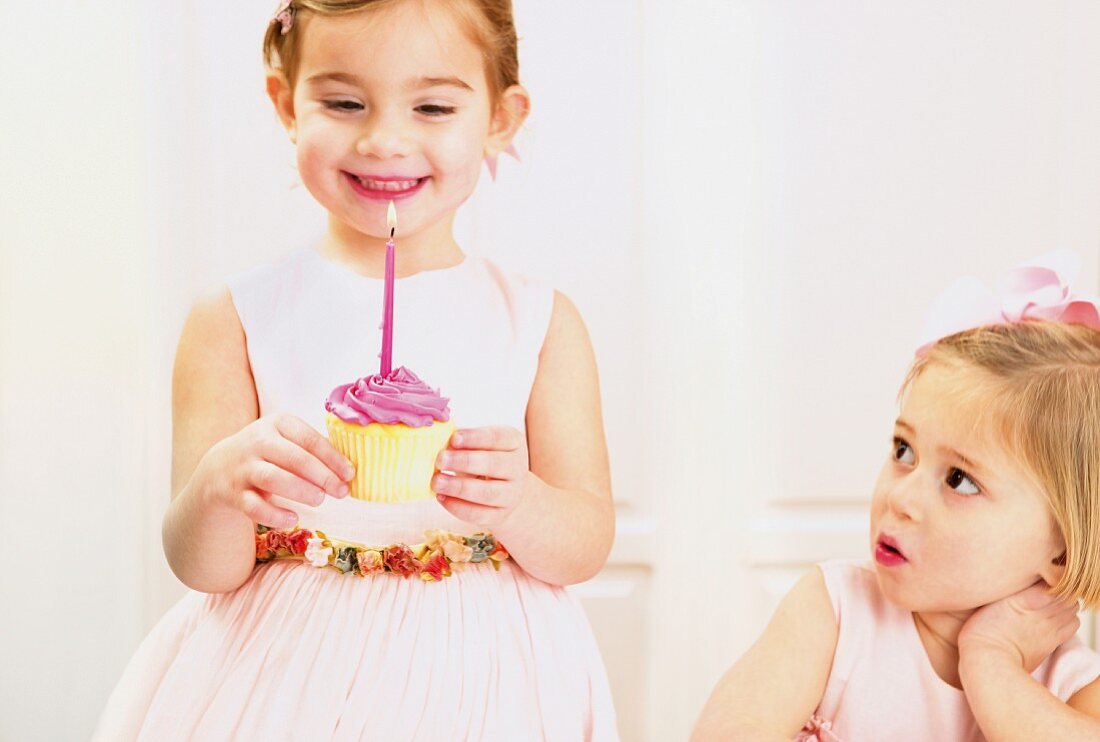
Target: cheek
(319, 172)
(984, 559)
(322, 140)
(460, 152)
(312, 155)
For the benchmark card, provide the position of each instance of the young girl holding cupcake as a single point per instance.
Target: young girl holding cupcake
(400, 582)
(985, 534)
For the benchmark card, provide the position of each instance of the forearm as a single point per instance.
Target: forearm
(559, 536)
(730, 729)
(738, 708)
(209, 549)
(721, 720)
(1011, 705)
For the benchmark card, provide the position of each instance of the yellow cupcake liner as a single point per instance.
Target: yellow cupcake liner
(393, 463)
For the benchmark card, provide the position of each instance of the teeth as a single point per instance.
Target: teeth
(387, 185)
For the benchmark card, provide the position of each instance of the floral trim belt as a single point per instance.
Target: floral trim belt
(439, 556)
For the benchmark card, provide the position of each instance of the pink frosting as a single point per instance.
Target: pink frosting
(400, 397)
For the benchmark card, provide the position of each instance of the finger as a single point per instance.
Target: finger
(1037, 597)
(490, 438)
(494, 464)
(1058, 605)
(266, 477)
(296, 430)
(297, 460)
(260, 510)
(468, 512)
(486, 492)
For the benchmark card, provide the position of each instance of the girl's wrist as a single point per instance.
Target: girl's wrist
(515, 521)
(203, 495)
(209, 503)
(979, 659)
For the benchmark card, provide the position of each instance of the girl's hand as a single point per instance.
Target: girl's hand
(484, 474)
(275, 455)
(1024, 627)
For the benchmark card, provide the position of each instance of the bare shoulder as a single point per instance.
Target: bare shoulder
(213, 392)
(809, 599)
(565, 433)
(774, 688)
(566, 333)
(213, 346)
(802, 633)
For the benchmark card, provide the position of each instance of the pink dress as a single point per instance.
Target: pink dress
(882, 685)
(302, 653)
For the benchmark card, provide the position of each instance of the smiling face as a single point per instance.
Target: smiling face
(392, 103)
(956, 521)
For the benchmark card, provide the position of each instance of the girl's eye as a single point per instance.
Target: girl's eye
(342, 105)
(961, 482)
(429, 109)
(903, 452)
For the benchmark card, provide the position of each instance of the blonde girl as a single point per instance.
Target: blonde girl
(985, 536)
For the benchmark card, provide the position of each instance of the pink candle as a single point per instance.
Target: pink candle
(387, 312)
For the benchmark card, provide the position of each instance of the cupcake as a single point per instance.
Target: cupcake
(392, 428)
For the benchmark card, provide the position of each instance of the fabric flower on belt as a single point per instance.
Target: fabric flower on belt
(276, 540)
(452, 545)
(317, 553)
(481, 544)
(370, 561)
(436, 568)
(499, 553)
(346, 560)
(459, 553)
(399, 559)
(298, 540)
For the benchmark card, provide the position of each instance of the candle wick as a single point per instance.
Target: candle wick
(391, 232)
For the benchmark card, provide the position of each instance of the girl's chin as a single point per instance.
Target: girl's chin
(914, 599)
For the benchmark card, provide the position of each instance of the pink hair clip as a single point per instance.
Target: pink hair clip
(284, 16)
(491, 160)
(1038, 289)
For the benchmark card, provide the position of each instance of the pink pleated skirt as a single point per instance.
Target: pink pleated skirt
(301, 653)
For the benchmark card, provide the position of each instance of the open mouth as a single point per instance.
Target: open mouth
(887, 552)
(385, 188)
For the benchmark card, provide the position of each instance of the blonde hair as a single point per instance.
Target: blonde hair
(489, 24)
(1043, 381)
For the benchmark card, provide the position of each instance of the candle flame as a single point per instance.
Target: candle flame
(391, 216)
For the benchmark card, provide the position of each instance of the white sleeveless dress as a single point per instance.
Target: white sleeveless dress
(301, 653)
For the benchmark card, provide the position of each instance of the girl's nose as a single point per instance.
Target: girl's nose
(903, 496)
(383, 140)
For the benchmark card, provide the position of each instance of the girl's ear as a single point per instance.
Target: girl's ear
(282, 97)
(1054, 569)
(511, 111)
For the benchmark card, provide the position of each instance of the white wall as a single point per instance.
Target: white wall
(770, 194)
(74, 261)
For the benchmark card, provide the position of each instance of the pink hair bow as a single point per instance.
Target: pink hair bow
(491, 160)
(1038, 289)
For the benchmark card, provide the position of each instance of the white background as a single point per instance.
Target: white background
(750, 202)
